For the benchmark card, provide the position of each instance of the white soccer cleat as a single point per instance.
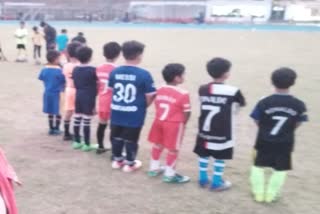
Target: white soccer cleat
(137, 165)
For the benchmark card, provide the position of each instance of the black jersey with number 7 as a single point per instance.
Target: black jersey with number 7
(218, 104)
(278, 116)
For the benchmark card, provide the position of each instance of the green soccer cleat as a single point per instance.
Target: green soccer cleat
(77, 145)
(259, 198)
(88, 148)
(155, 173)
(177, 179)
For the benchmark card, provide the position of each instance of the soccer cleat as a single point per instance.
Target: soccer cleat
(203, 183)
(225, 185)
(57, 132)
(101, 151)
(269, 198)
(77, 145)
(68, 138)
(117, 164)
(156, 173)
(51, 132)
(176, 179)
(136, 166)
(259, 198)
(88, 148)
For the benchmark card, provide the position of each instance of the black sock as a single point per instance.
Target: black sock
(86, 130)
(51, 122)
(58, 121)
(117, 147)
(131, 149)
(67, 128)
(76, 129)
(100, 134)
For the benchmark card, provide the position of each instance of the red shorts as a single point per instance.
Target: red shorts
(168, 134)
(104, 107)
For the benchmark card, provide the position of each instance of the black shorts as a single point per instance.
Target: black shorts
(201, 151)
(21, 46)
(85, 105)
(125, 133)
(280, 161)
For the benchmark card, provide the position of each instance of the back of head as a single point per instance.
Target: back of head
(52, 56)
(217, 67)
(35, 29)
(64, 31)
(283, 78)
(43, 24)
(84, 54)
(80, 34)
(72, 49)
(22, 23)
(111, 50)
(132, 49)
(171, 71)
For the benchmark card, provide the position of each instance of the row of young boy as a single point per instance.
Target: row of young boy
(60, 41)
(125, 92)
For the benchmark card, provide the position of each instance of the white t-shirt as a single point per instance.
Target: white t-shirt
(21, 36)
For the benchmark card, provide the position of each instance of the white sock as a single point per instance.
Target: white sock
(154, 165)
(169, 172)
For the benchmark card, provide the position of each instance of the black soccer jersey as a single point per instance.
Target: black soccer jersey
(218, 103)
(277, 117)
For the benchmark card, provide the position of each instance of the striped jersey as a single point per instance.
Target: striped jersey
(218, 103)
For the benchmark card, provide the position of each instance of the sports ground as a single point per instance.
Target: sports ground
(59, 180)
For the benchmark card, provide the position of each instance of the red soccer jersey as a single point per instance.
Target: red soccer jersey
(171, 104)
(103, 72)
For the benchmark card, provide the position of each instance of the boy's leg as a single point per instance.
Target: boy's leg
(156, 152)
(275, 184)
(103, 123)
(57, 122)
(203, 171)
(156, 137)
(131, 136)
(86, 133)
(117, 147)
(77, 124)
(51, 126)
(257, 181)
(67, 122)
(217, 183)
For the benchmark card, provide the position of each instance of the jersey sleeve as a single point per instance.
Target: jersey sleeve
(257, 112)
(149, 84)
(303, 116)
(41, 75)
(239, 98)
(185, 102)
(111, 81)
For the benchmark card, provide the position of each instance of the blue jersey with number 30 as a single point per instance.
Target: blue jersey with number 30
(130, 86)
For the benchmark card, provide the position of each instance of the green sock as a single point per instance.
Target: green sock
(257, 183)
(275, 184)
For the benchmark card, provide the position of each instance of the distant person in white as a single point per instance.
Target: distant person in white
(21, 36)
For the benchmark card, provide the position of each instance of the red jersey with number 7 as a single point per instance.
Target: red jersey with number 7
(171, 104)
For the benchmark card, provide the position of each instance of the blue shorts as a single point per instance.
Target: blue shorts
(51, 103)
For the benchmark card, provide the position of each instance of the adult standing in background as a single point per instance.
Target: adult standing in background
(80, 38)
(21, 36)
(50, 35)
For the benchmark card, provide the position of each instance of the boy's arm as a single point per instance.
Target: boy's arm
(150, 98)
(150, 90)
(256, 114)
(187, 116)
(186, 106)
(303, 116)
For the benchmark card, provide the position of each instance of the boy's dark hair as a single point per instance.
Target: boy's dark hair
(283, 78)
(35, 28)
(63, 31)
(80, 34)
(171, 71)
(72, 49)
(132, 49)
(217, 67)
(22, 22)
(111, 50)
(84, 54)
(43, 24)
(52, 55)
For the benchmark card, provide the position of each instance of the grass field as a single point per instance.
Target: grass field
(59, 180)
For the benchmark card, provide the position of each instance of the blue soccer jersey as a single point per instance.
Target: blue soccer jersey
(130, 86)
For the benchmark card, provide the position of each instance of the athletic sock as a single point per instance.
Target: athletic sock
(257, 181)
(50, 117)
(100, 134)
(275, 184)
(58, 121)
(155, 157)
(203, 169)
(131, 149)
(117, 148)
(67, 128)
(171, 161)
(86, 130)
(218, 169)
(76, 128)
